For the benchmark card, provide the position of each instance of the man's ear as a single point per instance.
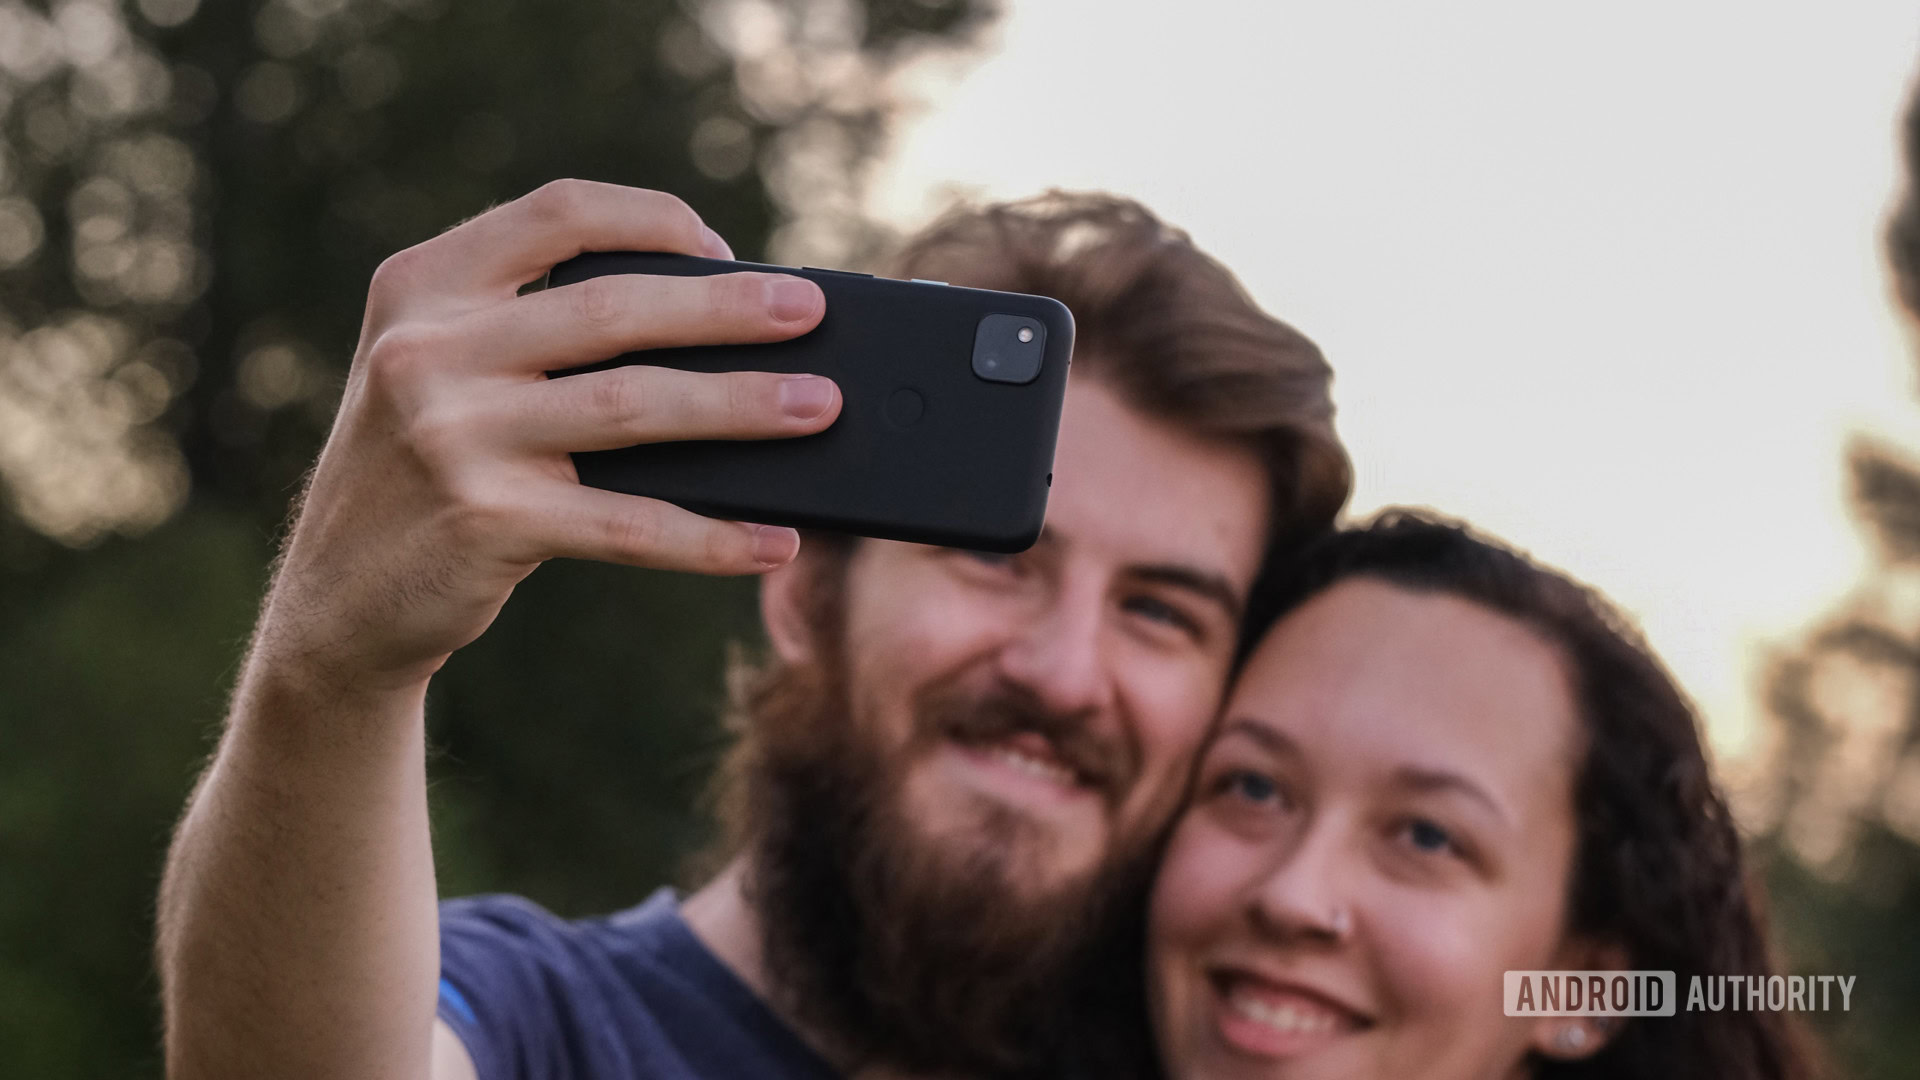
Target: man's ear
(1572, 1038)
(783, 608)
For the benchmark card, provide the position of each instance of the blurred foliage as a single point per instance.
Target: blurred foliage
(191, 202)
(1841, 795)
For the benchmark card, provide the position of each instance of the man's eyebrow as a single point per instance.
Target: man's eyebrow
(1203, 583)
(1425, 779)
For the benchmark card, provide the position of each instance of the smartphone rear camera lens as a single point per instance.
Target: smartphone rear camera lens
(1009, 348)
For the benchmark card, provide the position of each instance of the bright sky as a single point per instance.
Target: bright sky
(1604, 279)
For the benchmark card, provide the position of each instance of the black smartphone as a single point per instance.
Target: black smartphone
(951, 405)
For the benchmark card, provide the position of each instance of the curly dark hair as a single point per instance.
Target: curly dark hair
(1658, 868)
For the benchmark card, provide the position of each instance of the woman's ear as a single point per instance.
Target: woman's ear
(1572, 1038)
(783, 608)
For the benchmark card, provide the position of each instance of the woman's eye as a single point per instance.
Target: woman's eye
(1249, 787)
(1425, 836)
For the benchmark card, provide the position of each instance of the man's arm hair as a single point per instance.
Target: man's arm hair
(298, 918)
(298, 915)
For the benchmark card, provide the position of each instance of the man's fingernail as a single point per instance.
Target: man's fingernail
(717, 247)
(774, 546)
(791, 299)
(805, 397)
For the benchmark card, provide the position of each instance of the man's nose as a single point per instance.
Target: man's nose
(1058, 655)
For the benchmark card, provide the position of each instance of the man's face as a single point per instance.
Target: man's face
(961, 762)
(1040, 710)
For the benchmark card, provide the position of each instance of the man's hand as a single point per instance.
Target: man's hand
(298, 921)
(446, 479)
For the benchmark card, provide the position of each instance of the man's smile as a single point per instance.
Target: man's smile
(1022, 768)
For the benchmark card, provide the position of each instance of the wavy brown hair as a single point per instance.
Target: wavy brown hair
(1165, 325)
(1658, 868)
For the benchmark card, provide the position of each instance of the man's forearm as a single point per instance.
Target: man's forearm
(298, 927)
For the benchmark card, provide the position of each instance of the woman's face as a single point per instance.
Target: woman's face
(1383, 826)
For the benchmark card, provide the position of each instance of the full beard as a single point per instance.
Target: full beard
(922, 953)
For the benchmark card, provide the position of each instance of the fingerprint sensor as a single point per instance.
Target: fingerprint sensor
(905, 407)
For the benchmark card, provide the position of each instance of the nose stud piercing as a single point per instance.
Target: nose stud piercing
(1340, 922)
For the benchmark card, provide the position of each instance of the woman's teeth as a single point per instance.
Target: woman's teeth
(1292, 1019)
(1033, 766)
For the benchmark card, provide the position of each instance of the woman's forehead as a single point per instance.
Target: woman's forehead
(1372, 674)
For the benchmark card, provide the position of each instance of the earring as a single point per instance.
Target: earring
(1571, 1039)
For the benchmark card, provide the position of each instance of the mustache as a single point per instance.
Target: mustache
(1105, 763)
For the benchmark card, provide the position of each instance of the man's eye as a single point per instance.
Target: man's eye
(991, 559)
(1160, 611)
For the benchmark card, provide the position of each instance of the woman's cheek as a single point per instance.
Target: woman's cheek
(1200, 882)
(1193, 907)
(1435, 955)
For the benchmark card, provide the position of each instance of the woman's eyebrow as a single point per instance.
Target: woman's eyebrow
(1416, 777)
(1427, 779)
(1269, 737)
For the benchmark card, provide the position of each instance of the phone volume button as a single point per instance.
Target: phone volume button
(926, 281)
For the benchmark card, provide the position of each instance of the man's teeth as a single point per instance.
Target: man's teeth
(1033, 766)
(1287, 1018)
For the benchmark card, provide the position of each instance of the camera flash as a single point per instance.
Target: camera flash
(1007, 348)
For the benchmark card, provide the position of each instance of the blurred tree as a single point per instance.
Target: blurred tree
(192, 199)
(1842, 795)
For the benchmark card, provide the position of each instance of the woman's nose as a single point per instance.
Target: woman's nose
(1305, 895)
